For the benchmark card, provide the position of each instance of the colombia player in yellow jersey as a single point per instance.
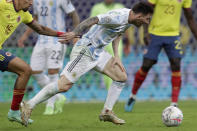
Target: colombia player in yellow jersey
(164, 33)
(12, 13)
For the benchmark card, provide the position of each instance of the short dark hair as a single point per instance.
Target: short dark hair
(143, 7)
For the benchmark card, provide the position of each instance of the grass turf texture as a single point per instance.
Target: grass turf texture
(146, 116)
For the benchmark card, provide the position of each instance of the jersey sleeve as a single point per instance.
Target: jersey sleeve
(187, 3)
(113, 18)
(67, 6)
(27, 17)
(152, 1)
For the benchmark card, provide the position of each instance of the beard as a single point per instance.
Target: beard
(137, 23)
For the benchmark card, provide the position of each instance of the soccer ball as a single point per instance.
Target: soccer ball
(172, 116)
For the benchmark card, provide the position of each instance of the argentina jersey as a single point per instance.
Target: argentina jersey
(51, 13)
(110, 25)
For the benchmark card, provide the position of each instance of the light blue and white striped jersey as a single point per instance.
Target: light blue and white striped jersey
(51, 13)
(110, 26)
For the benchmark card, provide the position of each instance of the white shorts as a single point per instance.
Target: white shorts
(81, 62)
(47, 56)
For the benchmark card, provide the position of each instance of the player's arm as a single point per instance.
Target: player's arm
(43, 30)
(115, 44)
(75, 18)
(190, 21)
(79, 29)
(116, 60)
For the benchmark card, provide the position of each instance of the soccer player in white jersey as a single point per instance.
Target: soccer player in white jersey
(48, 53)
(88, 53)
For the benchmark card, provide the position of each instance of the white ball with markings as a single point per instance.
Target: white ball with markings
(172, 116)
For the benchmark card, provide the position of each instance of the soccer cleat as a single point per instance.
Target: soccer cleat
(59, 104)
(129, 105)
(108, 115)
(25, 113)
(15, 116)
(48, 110)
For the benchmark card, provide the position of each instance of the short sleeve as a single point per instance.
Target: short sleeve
(27, 17)
(114, 17)
(187, 3)
(67, 6)
(152, 1)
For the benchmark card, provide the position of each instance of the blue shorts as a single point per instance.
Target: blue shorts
(5, 58)
(171, 45)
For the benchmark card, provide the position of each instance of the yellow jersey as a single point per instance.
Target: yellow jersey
(10, 19)
(166, 17)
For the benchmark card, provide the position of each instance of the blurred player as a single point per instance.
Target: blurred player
(88, 53)
(12, 13)
(164, 33)
(101, 8)
(48, 52)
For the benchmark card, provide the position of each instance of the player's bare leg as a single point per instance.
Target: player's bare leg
(175, 64)
(62, 85)
(23, 71)
(118, 75)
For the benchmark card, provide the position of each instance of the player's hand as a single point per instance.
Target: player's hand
(66, 37)
(75, 40)
(117, 61)
(21, 43)
(146, 39)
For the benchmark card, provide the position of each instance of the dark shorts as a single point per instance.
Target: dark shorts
(5, 58)
(171, 45)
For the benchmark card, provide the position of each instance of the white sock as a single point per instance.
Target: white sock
(51, 101)
(133, 96)
(113, 94)
(42, 79)
(174, 104)
(47, 92)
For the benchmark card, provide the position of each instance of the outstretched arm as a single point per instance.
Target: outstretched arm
(85, 25)
(190, 21)
(115, 45)
(75, 19)
(79, 29)
(116, 60)
(43, 30)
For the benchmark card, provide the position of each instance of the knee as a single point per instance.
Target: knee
(121, 77)
(27, 71)
(64, 84)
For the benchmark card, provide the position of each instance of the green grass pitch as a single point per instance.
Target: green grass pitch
(146, 116)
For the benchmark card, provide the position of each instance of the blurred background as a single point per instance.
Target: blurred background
(91, 87)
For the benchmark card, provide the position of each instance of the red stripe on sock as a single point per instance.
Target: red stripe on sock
(17, 98)
(176, 85)
(140, 76)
